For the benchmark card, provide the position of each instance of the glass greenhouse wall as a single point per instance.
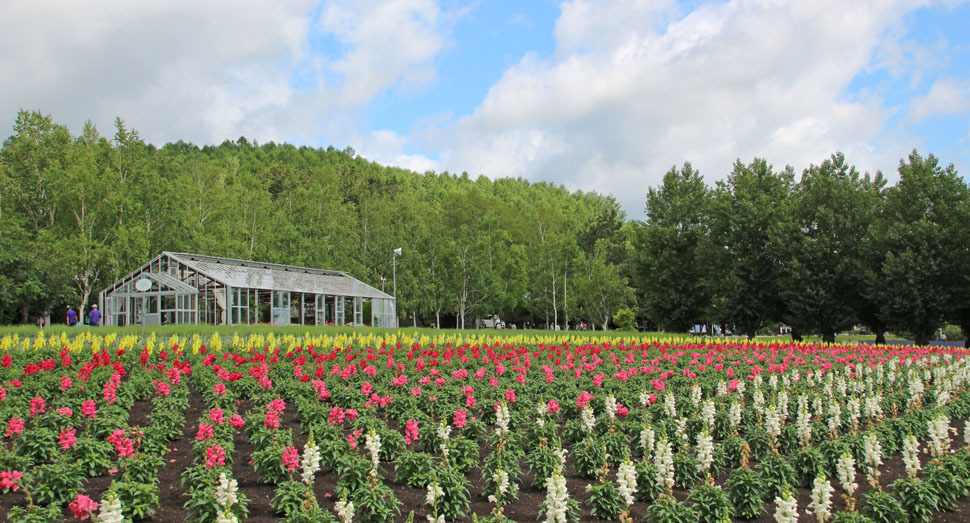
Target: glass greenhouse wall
(191, 288)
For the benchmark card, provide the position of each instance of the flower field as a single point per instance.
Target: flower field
(367, 427)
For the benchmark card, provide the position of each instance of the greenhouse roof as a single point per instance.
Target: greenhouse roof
(272, 276)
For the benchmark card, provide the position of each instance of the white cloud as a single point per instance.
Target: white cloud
(632, 89)
(214, 70)
(947, 96)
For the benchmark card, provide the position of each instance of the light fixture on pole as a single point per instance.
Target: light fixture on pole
(397, 252)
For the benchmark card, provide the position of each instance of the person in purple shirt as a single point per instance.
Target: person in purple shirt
(71, 316)
(95, 316)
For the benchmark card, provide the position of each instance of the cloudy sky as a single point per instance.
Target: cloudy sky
(601, 95)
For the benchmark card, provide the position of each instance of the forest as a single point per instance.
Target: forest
(820, 251)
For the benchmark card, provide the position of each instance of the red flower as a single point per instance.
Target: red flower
(82, 507)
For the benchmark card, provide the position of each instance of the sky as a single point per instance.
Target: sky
(596, 95)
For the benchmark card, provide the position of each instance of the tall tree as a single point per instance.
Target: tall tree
(747, 211)
(822, 270)
(921, 231)
(672, 251)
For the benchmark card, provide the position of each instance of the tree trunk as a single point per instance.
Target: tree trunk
(880, 337)
(796, 335)
(921, 339)
(829, 336)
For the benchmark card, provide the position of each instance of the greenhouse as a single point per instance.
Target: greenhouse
(193, 288)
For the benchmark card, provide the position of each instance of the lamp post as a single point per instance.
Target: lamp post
(397, 252)
(383, 279)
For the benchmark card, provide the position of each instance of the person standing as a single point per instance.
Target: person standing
(94, 316)
(71, 316)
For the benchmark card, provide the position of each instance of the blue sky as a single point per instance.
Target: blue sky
(601, 95)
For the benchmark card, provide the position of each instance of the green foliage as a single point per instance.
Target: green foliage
(883, 507)
(604, 500)
(746, 492)
(138, 500)
(624, 319)
(918, 499)
(710, 503)
(667, 509)
(414, 469)
(777, 475)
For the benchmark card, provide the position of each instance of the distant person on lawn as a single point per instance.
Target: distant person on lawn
(71, 316)
(94, 316)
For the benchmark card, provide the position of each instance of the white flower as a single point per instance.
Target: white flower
(734, 414)
(373, 446)
(911, 456)
(846, 470)
(226, 491)
(647, 440)
(610, 404)
(345, 510)
(705, 451)
(664, 461)
(434, 492)
(939, 434)
(310, 462)
(587, 418)
(226, 517)
(557, 498)
(502, 418)
(873, 455)
(695, 395)
(626, 479)
(501, 479)
(787, 508)
(707, 413)
(110, 509)
(821, 504)
(670, 405)
(803, 425)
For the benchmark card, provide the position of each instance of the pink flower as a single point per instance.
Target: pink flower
(351, 414)
(510, 395)
(204, 433)
(216, 415)
(291, 459)
(82, 507)
(583, 399)
(272, 419)
(65, 411)
(15, 426)
(552, 406)
(162, 388)
(67, 439)
(66, 383)
(461, 417)
(237, 421)
(277, 405)
(126, 448)
(89, 409)
(410, 431)
(3, 393)
(10, 480)
(215, 456)
(37, 406)
(220, 389)
(366, 388)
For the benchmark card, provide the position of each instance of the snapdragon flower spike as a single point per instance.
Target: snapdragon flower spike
(89, 409)
(291, 458)
(67, 439)
(82, 507)
(215, 456)
(10, 480)
(14, 426)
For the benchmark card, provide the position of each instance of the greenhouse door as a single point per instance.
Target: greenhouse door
(321, 309)
(281, 308)
(338, 303)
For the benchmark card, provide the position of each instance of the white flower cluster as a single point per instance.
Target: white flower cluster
(803, 425)
(772, 422)
(708, 410)
(939, 433)
(680, 432)
(587, 418)
(226, 492)
(835, 417)
(695, 395)
(915, 388)
(966, 433)
(663, 459)
(853, 411)
(626, 479)
(759, 401)
(345, 510)
(434, 493)
(541, 420)
(443, 431)
(911, 455)
(557, 498)
(873, 456)
(734, 414)
(846, 471)
(648, 437)
(310, 463)
(110, 509)
(610, 404)
(782, 407)
(501, 479)
(821, 504)
(705, 451)
(670, 405)
(561, 454)
(872, 407)
(786, 510)
(373, 446)
(502, 418)
(644, 399)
